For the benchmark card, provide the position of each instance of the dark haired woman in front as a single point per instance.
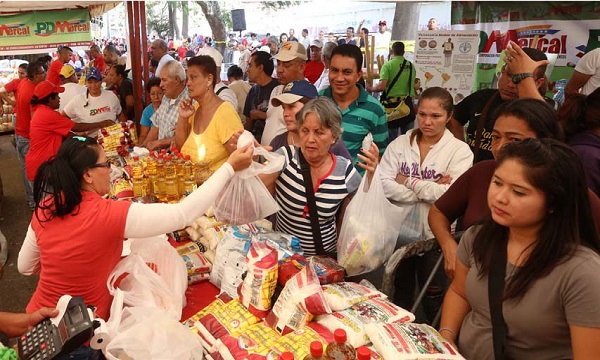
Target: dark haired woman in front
(205, 132)
(75, 237)
(580, 118)
(48, 128)
(416, 169)
(515, 120)
(117, 76)
(541, 231)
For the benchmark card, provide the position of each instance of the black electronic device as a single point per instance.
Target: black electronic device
(47, 341)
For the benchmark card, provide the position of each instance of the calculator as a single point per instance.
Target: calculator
(47, 341)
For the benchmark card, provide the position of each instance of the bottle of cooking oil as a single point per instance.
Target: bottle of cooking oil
(137, 170)
(151, 164)
(339, 349)
(171, 180)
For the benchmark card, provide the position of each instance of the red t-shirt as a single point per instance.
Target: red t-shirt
(100, 64)
(23, 108)
(13, 86)
(79, 251)
(48, 128)
(54, 72)
(313, 70)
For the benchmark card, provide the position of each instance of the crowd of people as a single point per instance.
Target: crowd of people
(519, 176)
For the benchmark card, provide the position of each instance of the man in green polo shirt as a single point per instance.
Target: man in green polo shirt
(361, 113)
(405, 85)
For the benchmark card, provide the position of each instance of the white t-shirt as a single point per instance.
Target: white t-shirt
(589, 64)
(90, 109)
(71, 90)
(226, 94)
(382, 44)
(274, 124)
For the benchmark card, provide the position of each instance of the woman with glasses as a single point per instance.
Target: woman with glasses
(48, 128)
(95, 104)
(76, 235)
(156, 94)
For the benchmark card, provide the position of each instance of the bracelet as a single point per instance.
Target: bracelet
(449, 330)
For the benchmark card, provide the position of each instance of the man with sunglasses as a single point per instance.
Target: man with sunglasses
(523, 76)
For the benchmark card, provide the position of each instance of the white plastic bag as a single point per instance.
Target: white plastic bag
(145, 333)
(153, 275)
(245, 198)
(369, 229)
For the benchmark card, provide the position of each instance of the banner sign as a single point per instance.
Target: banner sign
(565, 29)
(447, 59)
(33, 32)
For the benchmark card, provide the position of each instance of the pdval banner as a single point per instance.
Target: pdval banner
(567, 29)
(35, 32)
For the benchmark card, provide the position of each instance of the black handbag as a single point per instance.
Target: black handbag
(399, 110)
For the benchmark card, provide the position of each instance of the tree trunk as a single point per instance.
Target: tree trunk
(185, 19)
(406, 20)
(171, 7)
(214, 16)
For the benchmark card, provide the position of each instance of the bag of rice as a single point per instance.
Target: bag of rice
(225, 318)
(398, 341)
(300, 300)
(354, 319)
(328, 271)
(342, 295)
(260, 282)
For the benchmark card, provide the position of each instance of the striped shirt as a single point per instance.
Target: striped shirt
(364, 115)
(332, 189)
(165, 117)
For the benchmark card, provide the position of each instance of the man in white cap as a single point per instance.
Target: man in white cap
(291, 62)
(222, 91)
(71, 85)
(314, 66)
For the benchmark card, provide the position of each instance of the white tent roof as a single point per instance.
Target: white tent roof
(96, 7)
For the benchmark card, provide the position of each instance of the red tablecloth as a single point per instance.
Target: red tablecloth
(197, 296)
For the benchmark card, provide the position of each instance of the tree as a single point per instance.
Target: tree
(157, 17)
(173, 28)
(185, 19)
(406, 18)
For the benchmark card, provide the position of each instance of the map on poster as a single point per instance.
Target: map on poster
(447, 59)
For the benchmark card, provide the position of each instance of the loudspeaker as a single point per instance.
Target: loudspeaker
(238, 17)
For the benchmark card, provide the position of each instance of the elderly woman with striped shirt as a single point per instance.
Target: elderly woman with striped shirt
(334, 178)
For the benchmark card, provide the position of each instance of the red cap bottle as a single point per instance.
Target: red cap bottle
(363, 353)
(286, 356)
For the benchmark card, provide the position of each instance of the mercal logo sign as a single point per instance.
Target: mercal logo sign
(15, 29)
(48, 28)
(537, 37)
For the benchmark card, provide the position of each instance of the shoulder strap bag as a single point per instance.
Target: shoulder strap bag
(312, 204)
(496, 280)
(391, 85)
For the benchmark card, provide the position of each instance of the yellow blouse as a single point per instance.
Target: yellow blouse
(221, 128)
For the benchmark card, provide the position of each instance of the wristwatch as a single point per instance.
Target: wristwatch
(517, 78)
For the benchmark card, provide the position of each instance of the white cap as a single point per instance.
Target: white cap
(213, 53)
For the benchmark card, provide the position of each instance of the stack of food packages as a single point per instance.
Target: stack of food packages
(274, 300)
(117, 139)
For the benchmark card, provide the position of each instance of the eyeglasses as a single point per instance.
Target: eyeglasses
(105, 164)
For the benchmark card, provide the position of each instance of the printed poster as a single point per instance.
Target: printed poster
(447, 59)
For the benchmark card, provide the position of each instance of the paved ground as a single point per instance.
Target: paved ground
(15, 289)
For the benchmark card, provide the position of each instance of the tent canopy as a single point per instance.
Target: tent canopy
(95, 7)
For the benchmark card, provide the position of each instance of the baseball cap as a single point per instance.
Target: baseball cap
(213, 53)
(317, 43)
(94, 73)
(46, 88)
(291, 50)
(67, 71)
(382, 22)
(295, 91)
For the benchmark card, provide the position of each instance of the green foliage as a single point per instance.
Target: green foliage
(277, 5)
(157, 17)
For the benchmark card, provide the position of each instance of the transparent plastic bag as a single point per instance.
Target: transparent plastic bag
(369, 229)
(153, 275)
(245, 198)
